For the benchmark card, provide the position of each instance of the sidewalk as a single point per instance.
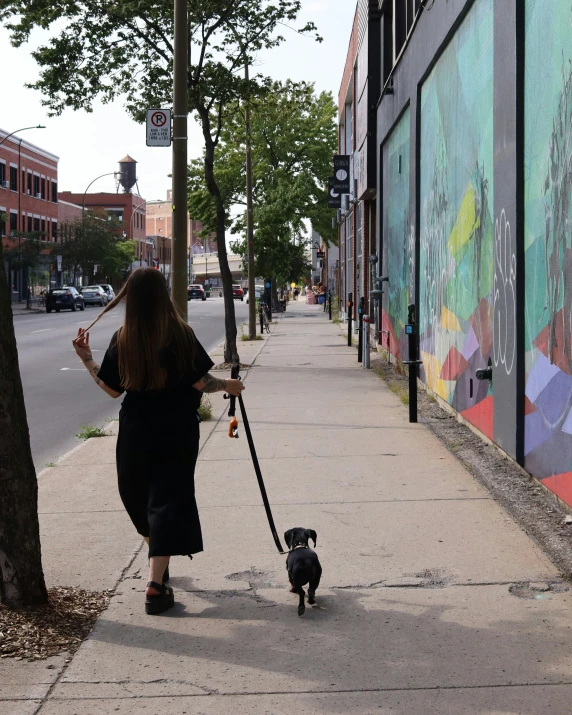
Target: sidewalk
(20, 308)
(414, 613)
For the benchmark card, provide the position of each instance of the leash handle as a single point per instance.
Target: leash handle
(259, 477)
(233, 426)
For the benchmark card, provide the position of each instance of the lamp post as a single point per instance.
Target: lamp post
(23, 129)
(110, 173)
(38, 126)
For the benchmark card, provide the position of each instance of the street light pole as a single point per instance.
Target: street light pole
(249, 211)
(180, 112)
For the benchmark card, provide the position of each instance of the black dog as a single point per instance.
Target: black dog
(302, 564)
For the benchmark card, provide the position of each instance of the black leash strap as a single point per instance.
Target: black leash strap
(231, 413)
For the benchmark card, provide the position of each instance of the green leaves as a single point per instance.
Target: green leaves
(94, 241)
(293, 135)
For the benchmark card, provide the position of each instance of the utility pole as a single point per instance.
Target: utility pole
(249, 211)
(180, 113)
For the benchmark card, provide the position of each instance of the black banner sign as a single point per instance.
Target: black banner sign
(334, 197)
(342, 173)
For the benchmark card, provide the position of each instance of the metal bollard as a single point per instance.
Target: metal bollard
(350, 317)
(366, 343)
(360, 329)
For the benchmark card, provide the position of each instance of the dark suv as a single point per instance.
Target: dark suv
(66, 298)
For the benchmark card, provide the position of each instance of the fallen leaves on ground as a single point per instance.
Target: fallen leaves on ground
(39, 632)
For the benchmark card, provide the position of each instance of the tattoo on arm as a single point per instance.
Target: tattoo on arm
(213, 384)
(93, 370)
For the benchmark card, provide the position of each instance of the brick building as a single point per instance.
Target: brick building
(28, 198)
(127, 207)
(160, 224)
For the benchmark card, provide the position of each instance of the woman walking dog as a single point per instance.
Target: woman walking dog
(157, 361)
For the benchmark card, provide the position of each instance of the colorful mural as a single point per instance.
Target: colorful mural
(457, 229)
(399, 237)
(548, 244)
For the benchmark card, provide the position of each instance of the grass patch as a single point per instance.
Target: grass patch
(246, 339)
(394, 376)
(206, 409)
(51, 464)
(89, 431)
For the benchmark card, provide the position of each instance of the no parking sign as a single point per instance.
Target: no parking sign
(158, 127)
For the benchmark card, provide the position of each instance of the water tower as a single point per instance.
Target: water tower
(128, 174)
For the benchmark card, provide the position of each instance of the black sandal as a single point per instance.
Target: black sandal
(160, 603)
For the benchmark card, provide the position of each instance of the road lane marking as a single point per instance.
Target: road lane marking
(40, 331)
(81, 322)
(70, 368)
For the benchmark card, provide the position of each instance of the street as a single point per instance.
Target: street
(60, 396)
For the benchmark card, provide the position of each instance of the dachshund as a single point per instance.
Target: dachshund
(302, 565)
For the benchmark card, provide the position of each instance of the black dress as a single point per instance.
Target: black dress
(157, 449)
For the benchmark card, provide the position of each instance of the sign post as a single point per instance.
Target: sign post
(158, 127)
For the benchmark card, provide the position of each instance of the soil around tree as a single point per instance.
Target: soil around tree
(535, 509)
(61, 625)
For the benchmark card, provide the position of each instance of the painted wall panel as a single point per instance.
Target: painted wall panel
(456, 221)
(548, 243)
(399, 238)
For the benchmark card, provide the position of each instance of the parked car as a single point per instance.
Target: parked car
(196, 291)
(109, 290)
(258, 291)
(94, 295)
(66, 298)
(237, 292)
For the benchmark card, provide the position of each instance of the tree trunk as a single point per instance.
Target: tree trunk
(21, 574)
(230, 347)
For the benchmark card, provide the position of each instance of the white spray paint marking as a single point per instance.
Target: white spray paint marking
(40, 331)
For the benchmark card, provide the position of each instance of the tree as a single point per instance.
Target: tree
(21, 574)
(112, 48)
(94, 241)
(293, 136)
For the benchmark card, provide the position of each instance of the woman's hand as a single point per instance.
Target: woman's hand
(234, 387)
(82, 346)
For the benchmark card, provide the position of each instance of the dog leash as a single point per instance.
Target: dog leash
(233, 434)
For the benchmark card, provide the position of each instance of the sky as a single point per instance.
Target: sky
(90, 144)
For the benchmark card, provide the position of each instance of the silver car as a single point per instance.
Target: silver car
(94, 295)
(109, 290)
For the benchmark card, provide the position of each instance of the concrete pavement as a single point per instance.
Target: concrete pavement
(417, 610)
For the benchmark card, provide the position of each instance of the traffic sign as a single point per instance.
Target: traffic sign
(158, 127)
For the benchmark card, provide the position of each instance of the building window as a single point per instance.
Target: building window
(29, 224)
(2, 174)
(43, 229)
(37, 187)
(29, 184)
(23, 184)
(54, 231)
(36, 225)
(13, 223)
(2, 224)
(54, 192)
(13, 178)
(43, 190)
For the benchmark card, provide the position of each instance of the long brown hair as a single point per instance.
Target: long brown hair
(151, 324)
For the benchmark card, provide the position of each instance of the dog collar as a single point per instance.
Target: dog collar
(300, 546)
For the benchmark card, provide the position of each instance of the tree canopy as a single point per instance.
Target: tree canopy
(91, 242)
(293, 137)
(123, 48)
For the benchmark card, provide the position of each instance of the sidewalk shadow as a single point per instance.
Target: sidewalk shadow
(359, 640)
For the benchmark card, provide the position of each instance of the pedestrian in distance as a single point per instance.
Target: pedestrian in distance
(157, 361)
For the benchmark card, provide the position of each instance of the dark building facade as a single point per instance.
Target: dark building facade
(473, 197)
